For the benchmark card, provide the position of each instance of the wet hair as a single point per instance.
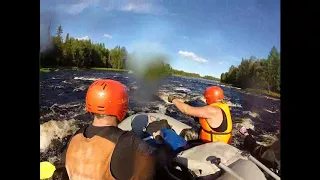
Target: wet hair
(190, 134)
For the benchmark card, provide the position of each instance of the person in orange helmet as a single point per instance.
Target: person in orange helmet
(103, 151)
(215, 118)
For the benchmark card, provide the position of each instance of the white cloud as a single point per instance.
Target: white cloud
(136, 6)
(192, 56)
(83, 38)
(221, 62)
(107, 36)
(77, 6)
(144, 8)
(74, 7)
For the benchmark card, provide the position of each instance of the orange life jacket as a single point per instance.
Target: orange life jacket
(90, 158)
(207, 134)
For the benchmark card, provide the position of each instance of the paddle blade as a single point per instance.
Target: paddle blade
(46, 170)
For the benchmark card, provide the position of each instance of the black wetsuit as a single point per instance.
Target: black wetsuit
(267, 155)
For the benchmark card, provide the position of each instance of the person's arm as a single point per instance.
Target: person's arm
(265, 154)
(170, 140)
(251, 145)
(212, 114)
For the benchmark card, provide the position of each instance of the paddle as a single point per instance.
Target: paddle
(46, 170)
(217, 162)
(262, 166)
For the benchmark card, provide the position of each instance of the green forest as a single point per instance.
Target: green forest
(71, 52)
(253, 73)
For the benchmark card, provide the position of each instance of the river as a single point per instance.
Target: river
(62, 108)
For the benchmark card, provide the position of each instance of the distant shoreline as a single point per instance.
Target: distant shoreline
(46, 70)
(263, 92)
(257, 91)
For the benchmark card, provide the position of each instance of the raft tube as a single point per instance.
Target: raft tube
(176, 125)
(196, 158)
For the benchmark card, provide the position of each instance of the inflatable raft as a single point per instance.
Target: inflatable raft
(207, 161)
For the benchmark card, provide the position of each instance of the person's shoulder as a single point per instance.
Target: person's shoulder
(137, 144)
(129, 137)
(112, 133)
(80, 131)
(213, 108)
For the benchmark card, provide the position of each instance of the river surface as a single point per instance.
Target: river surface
(62, 105)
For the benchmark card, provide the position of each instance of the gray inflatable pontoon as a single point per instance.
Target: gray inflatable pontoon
(235, 164)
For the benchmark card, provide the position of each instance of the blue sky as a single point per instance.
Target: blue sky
(204, 37)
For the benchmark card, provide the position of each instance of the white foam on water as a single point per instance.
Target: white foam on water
(182, 89)
(66, 82)
(81, 88)
(234, 104)
(71, 104)
(162, 109)
(267, 97)
(58, 87)
(203, 99)
(267, 110)
(198, 97)
(47, 115)
(55, 130)
(86, 78)
(65, 106)
(53, 159)
(268, 139)
(134, 87)
(163, 95)
(252, 114)
(246, 122)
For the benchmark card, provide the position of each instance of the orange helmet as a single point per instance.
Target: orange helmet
(213, 94)
(107, 97)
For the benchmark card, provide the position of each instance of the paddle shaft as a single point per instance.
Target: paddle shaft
(230, 171)
(148, 138)
(217, 161)
(254, 160)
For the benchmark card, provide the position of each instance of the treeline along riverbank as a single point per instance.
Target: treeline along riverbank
(261, 75)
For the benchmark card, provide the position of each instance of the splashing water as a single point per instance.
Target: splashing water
(62, 109)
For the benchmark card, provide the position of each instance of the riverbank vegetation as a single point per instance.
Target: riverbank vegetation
(78, 54)
(256, 75)
(261, 75)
